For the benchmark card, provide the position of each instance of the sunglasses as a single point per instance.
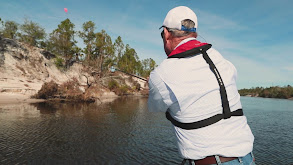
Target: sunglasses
(162, 34)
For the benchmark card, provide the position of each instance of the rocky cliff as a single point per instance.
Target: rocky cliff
(24, 69)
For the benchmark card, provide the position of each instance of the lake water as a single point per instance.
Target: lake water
(124, 132)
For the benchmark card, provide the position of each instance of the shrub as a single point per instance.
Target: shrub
(48, 90)
(113, 84)
(59, 63)
(70, 86)
(137, 86)
(123, 89)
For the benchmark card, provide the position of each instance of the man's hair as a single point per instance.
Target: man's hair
(180, 33)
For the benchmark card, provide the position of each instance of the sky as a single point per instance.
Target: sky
(255, 35)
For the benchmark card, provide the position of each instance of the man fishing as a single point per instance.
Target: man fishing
(196, 87)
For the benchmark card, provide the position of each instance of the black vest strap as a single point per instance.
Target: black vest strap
(201, 123)
(225, 103)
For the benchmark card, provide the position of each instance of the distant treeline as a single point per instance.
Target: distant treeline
(271, 92)
(99, 52)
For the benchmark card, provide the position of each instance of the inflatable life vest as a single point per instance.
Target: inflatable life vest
(225, 103)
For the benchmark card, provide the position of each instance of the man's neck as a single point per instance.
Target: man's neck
(185, 45)
(184, 41)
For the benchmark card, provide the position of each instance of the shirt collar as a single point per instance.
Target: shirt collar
(185, 45)
(184, 41)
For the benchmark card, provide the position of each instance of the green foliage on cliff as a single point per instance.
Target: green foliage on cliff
(271, 92)
(10, 29)
(99, 51)
(31, 33)
(113, 84)
(118, 89)
(59, 62)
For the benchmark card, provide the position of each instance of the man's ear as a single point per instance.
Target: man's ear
(167, 34)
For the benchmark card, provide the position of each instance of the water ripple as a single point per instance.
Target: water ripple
(122, 132)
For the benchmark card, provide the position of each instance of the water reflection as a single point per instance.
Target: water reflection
(122, 131)
(116, 132)
(46, 107)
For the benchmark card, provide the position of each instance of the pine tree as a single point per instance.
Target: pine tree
(62, 41)
(118, 47)
(88, 35)
(129, 61)
(103, 48)
(148, 65)
(31, 33)
(10, 29)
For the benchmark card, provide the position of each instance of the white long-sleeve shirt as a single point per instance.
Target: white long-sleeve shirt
(189, 90)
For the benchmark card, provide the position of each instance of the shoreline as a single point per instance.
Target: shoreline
(18, 98)
(267, 97)
(14, 98)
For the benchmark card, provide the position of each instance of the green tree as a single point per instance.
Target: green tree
(129, 61)
(265, 93)
(10, 29)
(1, 26)
(76, 53)
(62, 42)
(103, 48)
(88, 35)
(289, 88)
(118, 47)
(148, 65)
(113, 58)
(32, 33)
(271, 92)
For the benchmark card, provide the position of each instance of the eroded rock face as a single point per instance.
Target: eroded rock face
(2, 49)
(48, 55)
(2, 58)
(24, 69)
(13, 47)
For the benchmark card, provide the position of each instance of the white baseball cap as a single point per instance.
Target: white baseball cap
(176, 15)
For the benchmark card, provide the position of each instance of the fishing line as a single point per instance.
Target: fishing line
(113, 69)
(199, 36)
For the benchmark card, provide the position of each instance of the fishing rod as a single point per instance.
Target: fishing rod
(113, 69)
